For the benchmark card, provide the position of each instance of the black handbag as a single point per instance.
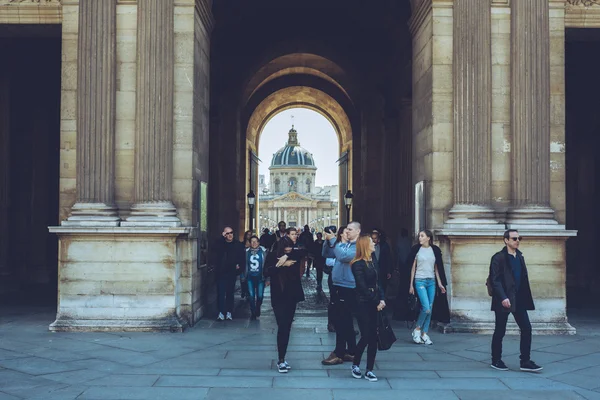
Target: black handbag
(385, 334)
(412, 302)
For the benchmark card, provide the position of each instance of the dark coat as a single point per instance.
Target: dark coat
(441, 311)
(226, 255)
(503, 282)
(386, 262)
(368, 286)
(286, 284)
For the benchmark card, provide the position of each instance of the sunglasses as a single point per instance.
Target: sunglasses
(229, 233)
(514, 239)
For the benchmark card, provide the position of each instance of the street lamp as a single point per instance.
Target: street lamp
(348, 202)
(251, 199)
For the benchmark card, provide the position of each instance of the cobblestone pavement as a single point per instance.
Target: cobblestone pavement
(236, 360)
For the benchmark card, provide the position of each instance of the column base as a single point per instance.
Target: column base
(471, 216)
(153, 214)
(487, 328)
(92, 214)
(65, 324)
(532, 217)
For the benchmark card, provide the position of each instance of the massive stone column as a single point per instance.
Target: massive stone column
(96, 89)
(530, 114)
(472, 70)
(154, 116)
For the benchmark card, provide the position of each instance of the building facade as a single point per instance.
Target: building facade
(127, 129)
(292, 195)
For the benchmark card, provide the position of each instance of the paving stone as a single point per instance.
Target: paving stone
(448, 383)
(127, 357)
(214, 381)
(429, 366)
(97, 365)
(143, 393)
(162, 370)
(272, 373)
(579, 380)
(588, 394)
(536, 384)
(389, 374)
(75, 377)
(124, 380)
(274, 393)
(289, 381)
(6, 396)
(589, 360)
(35, 365)
(482, 373)
(363, 394)
(517, 395)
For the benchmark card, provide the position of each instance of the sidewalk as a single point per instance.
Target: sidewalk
(236, 360)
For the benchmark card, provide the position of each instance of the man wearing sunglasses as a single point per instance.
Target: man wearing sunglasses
(229, 258)
(511, 294)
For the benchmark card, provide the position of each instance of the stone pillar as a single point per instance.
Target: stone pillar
(154, 117)
(530, 114)
(472, 84)
(96, 91)
(4, 176)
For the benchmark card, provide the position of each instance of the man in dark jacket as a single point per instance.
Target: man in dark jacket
(511, 294)
(228, 260)
(383, 253)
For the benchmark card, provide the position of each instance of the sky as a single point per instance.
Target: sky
(315, 134)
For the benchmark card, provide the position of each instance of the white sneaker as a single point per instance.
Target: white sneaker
(221, 317)
(426, 339)
(416, 335)
(228, 317)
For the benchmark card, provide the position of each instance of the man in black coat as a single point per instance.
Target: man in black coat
(511, 294)
(229, 260)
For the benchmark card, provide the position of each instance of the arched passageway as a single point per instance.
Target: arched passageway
(359, 79)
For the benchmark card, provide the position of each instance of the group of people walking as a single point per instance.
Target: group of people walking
(357, 287)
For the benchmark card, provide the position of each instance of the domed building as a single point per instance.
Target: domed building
(291, 195)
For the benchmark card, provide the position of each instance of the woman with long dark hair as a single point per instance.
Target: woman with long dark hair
(370, 301)
(286, 290)
(427, 273)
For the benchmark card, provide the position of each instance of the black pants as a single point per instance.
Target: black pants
(284, 315)
(319, 267)
(345, 339)
(332, 301)
(522, 319)
(366, 314)
(308, 265)
(225, 290)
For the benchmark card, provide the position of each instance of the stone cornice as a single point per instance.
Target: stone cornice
(582, 14)
(30, 11)
(585, 3)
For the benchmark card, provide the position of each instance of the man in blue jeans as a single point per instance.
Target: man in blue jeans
(228, 261)
(255, 262)
(511, 294)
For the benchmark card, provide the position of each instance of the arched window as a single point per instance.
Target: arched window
(308, 182)
(277, 183)
(292, 185)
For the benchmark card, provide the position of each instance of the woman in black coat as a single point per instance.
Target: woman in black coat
(286, 290)
(440, 311)
(369, 294)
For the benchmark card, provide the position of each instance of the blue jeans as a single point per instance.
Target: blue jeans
(426, 291)
(256, 290)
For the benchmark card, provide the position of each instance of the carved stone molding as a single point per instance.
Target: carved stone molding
(585, 3)
(30, 11)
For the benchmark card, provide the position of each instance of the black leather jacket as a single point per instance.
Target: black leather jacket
(368, 287)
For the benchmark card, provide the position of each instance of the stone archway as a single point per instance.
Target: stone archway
(300, 97)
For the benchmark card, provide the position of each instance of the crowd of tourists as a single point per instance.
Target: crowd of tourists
(362, 274)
